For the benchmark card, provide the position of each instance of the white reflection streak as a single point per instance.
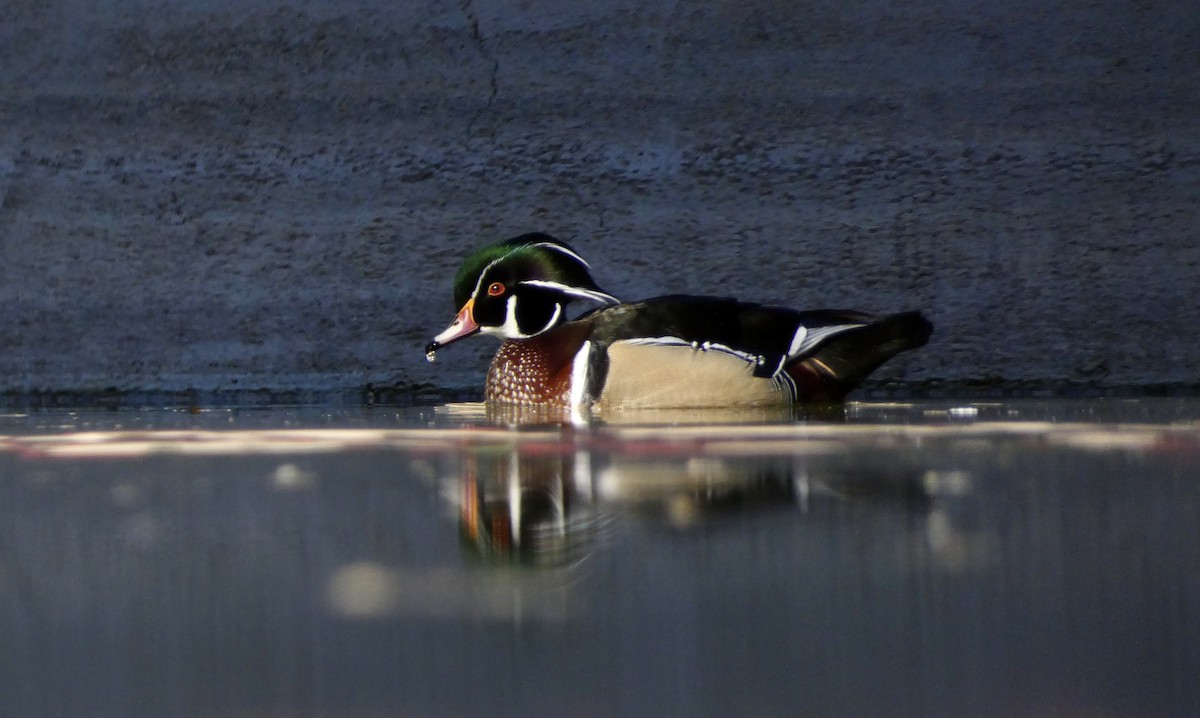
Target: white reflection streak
(514, 497)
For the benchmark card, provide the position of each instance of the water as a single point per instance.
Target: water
(1006, 559)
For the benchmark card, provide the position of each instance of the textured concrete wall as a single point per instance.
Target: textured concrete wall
(232, 194)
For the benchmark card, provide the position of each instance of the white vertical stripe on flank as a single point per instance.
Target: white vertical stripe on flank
(577, 393)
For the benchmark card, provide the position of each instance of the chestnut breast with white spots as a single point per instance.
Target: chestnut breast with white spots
(530, 371)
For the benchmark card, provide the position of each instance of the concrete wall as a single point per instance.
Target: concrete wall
(232, 194)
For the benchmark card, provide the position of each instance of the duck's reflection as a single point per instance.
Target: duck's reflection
(547, 504)
(531, 505)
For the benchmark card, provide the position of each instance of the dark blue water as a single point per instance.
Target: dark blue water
(1010, 560)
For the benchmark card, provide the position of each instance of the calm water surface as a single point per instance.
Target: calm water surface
(936, 559)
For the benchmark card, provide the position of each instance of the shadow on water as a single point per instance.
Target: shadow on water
(902, 560)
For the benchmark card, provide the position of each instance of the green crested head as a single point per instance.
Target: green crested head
(474, 265)
(533, 259)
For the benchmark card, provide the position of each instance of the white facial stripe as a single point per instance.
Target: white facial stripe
(553, 318)
(510, 329)
(816, 336)
(564, 250)
(479, 279)
(589, 294)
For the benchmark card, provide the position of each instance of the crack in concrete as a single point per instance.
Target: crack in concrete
(481, 42)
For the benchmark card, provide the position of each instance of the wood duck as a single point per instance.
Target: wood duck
(670, 351)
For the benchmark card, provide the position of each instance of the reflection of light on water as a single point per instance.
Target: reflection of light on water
(955, 413)
(141, 531)
(682, 511)
(289, 477)
(955, 549)
(124, 494)
(476, 411)
(726, 440)
(947, 483)
(1129, 439)
(126, 444)
(780, 447)
(952, 546)
(41, 478)
(369, 590)
(363, 590)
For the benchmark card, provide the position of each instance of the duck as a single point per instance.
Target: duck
(677, 351)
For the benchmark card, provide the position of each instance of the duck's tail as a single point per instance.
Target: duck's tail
(844, 360)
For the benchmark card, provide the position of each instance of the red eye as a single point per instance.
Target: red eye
(495, 289)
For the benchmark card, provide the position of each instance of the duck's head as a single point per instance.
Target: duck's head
(518, 289)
